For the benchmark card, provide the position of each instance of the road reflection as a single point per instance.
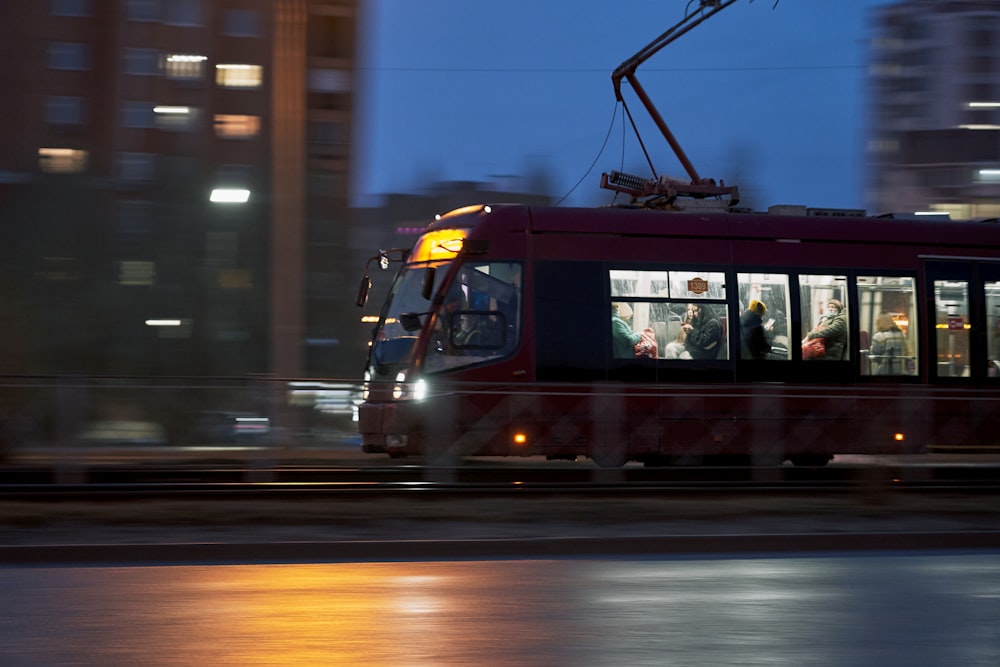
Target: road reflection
(887, 610)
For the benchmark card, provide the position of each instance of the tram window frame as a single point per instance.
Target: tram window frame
(828, 286)
(991, 303)
(658, 298)
(773, 289)
(873, 306)
(488, 292)
(952, 322)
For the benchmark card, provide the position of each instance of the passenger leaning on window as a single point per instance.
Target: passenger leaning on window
(832, 330)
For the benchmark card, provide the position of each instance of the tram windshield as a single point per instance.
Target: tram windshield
(480, 317)
(393, 341)
(409, 300)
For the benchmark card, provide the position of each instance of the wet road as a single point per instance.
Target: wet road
(903, 608)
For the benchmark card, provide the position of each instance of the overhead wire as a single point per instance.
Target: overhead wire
(611, 126)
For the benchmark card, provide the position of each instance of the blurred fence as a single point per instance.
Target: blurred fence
(72, 411)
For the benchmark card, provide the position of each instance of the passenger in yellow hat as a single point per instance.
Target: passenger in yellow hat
(754, 342)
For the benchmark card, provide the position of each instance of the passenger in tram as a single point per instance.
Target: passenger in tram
(754, 341)
(888, 351)
(832, 330)
(703, 331)
(623, 339)
(675, 348)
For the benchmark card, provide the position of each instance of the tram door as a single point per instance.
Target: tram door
(964, 301)
(964, 349)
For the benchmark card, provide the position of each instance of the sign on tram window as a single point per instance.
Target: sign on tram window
(887, 340)
(825, 312)
(764, 299)
(951, 322)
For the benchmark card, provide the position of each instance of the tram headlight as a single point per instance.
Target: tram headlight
(411, 391)
(366, 385)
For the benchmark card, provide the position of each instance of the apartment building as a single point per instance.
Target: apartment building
(174, 179)
(934, 142)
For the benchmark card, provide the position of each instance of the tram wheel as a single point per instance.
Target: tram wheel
(609, 457)
(811, 460)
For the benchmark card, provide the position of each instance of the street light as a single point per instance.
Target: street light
(229, 196)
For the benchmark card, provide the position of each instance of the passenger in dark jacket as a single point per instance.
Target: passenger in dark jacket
(754, 343)
(704, 333)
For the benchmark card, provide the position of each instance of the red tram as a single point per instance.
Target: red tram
(568, 332)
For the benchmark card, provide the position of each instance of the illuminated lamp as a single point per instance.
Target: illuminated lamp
(171, 110)
(899, 437)
(229, 196)
(520, 439)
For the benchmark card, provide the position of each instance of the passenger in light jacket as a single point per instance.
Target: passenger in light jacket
(832, 328)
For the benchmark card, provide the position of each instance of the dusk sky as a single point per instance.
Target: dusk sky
(769, 98)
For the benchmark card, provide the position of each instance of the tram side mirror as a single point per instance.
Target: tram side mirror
(410, 321)
(427, 287)
(366, 284)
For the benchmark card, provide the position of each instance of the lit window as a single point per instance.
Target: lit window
(889, 337)
(69, 56)
(184, 66)
(62, 160)
(238, 76)
(231, 126)
(175, 117)
(234, 279)
(142, 62)
(136, 273)
(64, 110)
(59, 269)
(229, 196)
(988, 175)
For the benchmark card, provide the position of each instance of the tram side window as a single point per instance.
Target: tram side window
(951, 322)
(764, 299)
(650, 311)
(887, 342)
(480, 318)
(993, 322)
(825, 312)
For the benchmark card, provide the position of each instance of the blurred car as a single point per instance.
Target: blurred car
(224, 427)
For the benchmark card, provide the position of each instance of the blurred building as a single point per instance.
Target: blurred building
(935, 108)
(174, 179)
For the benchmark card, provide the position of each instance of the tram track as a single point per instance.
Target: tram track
(55, 483)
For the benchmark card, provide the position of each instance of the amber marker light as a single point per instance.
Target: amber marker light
(899, 437)
(520, 439)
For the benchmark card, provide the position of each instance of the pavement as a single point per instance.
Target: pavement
(358, 529)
